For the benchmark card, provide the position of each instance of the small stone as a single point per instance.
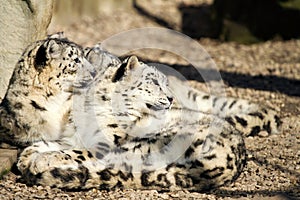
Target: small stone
(263, 134)
(40, 187)
(164, 196)
(174, 195)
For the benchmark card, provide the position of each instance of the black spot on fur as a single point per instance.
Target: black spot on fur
(210, 157)
(182, 180)
(81, 157)
(90, 155)
(230, 106)
(163, 181)
(120, 150)
(18, 106)
(257, 114)
(198, 142)
(223, 106)
(77, 60)
(119, 184)
(196, 164)
(113, 125)
(104, 98)
(214, 101)
(49, 94)
(189, 152)
(212, 173)
(229, 162)
(194, 96)
(241, 121)
(170, 166)
(77, 151)
(126, 176)
(151, 140)
(37, 106)
(254, 131)
(189, 93)
(195, 180)
(26, 127)
(64, 69)
(277, 120)
(116, 139)
(99, 155)
(160, 176)
(205, 97)
(137, 147)
(230, 120)
(174, 165)
(59, 174)
(267, 127)
(105, 174)
(104, 186)
(103, 144)
(145, 175)
(40, 58)
(220, 143)
(83, 175)
(78, 161)
(120, 73)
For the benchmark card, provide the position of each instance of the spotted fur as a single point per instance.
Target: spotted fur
(249, 118)
(90, 120)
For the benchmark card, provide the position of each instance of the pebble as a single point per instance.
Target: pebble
(263, 134)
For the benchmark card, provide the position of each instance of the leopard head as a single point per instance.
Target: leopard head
(144, 89)
(44, 80)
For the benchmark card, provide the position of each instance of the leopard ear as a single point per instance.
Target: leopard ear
(54, 49)
(50, 49)
(58, 35)
(132, 63)
(129, 64)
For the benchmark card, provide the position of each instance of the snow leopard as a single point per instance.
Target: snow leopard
(85, 119)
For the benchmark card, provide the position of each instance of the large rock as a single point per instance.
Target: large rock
(21, 22)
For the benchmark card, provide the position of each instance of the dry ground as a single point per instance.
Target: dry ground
(267, 73)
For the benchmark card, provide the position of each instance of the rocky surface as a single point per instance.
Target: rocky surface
(266, 73)
(22, 22)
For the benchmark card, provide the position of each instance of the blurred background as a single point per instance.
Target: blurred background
(243, 21)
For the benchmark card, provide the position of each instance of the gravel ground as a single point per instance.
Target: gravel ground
(268, 72)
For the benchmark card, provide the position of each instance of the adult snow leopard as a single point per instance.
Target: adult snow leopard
(86, 120)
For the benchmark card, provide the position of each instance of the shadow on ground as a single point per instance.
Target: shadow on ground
(270, 83)
(246, 21)
(282, 195)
